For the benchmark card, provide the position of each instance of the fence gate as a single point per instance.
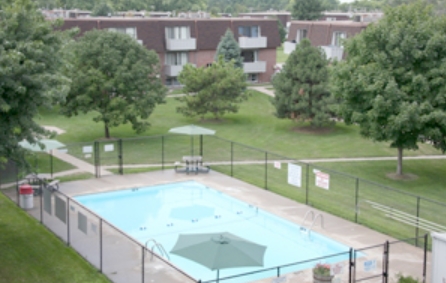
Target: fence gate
(370, 264)
(108, 156)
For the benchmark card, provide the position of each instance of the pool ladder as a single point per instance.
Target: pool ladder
(157, 245)
(314, 219)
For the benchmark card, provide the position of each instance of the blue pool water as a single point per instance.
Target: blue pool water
(163, 212)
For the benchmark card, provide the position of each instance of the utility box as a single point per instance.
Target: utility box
(438, 258)
(26, 198)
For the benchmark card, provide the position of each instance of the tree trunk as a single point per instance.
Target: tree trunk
(399, 167)
(107, 132)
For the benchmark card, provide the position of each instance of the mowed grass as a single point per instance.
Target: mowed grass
(255, 124)
(31, 253)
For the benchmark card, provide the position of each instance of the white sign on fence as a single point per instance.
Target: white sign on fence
(370, 265)
(294, 175)
(87, 149)
(322, 180)
(109, 147)
(277, 164)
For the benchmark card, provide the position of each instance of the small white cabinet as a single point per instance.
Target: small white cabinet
(438, 258)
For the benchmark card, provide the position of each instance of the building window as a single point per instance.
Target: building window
(176, 58)
(301, 34)
(249, 31)
(130, 31)
(177, 32)
(249, 56)
(338, 36)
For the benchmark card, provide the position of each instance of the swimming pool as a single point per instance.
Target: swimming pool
(163, 212)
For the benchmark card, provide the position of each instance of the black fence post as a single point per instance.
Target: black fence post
(232, 159)
(17, 183)
(162, 152)
(266, 170)
(426, 239)
(418, 222)
(350, 266)
(120, 157)
(386, 262)
(41, 202)
(356, 200)
(68, 222)
(307, 184)
(142, 264)
(51, 163)
(100, 244)
(96, 159)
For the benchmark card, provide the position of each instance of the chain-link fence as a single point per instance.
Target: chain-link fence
(393, 212)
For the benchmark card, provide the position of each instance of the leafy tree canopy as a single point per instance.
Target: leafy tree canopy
(103, 9)
(217, 89)
(116, 77)
(393, 83)
(29, 74)
(301, 87)
(307, 10)
(229, 49)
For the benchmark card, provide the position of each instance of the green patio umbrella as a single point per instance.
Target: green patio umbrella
(192, 131)
(219, 250)
(48, 146)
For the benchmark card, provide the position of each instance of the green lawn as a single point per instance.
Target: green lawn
(31, 253)
(254, 125)
(281, 57)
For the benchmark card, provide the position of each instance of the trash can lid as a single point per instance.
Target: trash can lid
(26, 189)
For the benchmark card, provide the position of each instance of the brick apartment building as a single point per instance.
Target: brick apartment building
(326, 34)
(179, 41)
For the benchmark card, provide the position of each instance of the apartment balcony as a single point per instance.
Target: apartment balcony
(181, 44)
(289, 47)
(254, 67)
(252, 42)
(173, 70)
(333, 52)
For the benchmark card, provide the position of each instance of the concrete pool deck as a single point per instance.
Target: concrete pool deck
(404, 258)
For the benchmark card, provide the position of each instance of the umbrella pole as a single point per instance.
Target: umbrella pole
(218, 275)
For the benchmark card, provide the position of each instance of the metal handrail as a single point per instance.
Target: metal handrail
(157, 245)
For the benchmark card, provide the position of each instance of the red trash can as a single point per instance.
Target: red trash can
(26, 198)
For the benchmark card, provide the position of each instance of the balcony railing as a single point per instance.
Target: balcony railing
(252, 42)
(333, 52)
(173, 70)
(181, 44)
(254, 67)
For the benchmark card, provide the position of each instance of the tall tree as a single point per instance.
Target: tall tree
(393, 83)
(282, 31)
(229, 49)
(301, 87)
(307, 10)
(29, 74)
(217, 89)
(116, 77)
(102, 8)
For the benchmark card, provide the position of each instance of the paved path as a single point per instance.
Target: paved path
(262, 89)
(78, 163)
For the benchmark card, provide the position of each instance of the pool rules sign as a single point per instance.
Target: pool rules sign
(322, 180)
(294, 175)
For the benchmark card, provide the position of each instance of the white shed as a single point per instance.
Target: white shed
(438, 258)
